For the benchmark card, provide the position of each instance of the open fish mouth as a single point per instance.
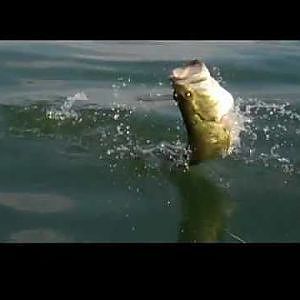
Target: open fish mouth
(192, 72)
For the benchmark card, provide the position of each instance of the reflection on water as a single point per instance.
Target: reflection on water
(117, 136)
(38, 236)
(38, 203)
(205, 207)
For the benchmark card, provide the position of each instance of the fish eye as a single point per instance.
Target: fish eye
(188, 94)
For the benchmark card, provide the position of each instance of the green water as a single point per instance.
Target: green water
(101, 166)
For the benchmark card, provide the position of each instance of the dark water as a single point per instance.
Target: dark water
(82, 160)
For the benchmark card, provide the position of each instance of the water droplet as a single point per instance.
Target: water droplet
(119, 130)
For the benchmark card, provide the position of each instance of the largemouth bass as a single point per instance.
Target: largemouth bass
(206, 109)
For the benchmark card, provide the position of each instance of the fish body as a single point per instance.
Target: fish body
(206, 109)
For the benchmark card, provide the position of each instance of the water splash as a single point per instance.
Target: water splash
(239, 125)
(268, 135)
(66, 111)
(175, 152)
(78, 96)
(120, 84)
(216, 74)
(264, 132)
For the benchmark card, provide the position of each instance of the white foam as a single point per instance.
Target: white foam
(78, 96)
